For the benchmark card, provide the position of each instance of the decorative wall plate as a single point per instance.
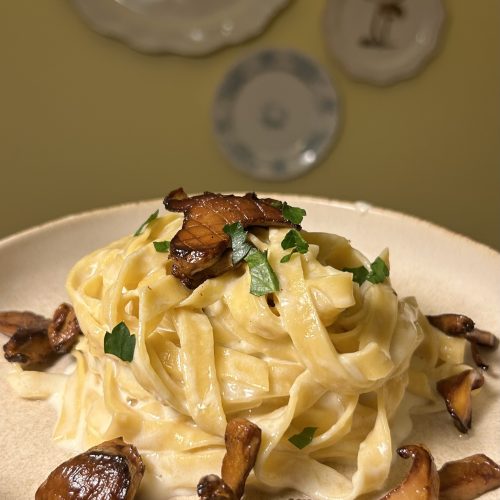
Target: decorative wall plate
(275, 114)
(383, 41)
(186, 27)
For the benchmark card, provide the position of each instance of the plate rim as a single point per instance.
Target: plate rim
(343, 204)
(129, 34)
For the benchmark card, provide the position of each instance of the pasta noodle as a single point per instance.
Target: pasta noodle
(353, 362)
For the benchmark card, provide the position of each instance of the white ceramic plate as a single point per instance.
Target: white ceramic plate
(275, 114)
(186, 27)
(383, 41)
(445, 271)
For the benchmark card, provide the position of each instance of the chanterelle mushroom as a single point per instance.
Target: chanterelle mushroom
(459, 325)
(456, 391)
(422, 481)
(64, 329)
(35, 339)
(200, 247)
(110, 470)
(242, 440)
(467, 478)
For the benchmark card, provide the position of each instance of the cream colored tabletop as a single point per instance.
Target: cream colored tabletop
(87, 122)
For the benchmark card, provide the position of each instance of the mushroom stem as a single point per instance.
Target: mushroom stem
(422, 481)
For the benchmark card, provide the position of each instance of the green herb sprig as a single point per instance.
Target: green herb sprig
(239, 242)
(162, 246)
(377, 274)
(120, 343)
(146, 223)
(262, 276)
(291, 214)
(293, 239)
(304, 438)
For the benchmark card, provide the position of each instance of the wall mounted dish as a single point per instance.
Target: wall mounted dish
(383, 41)
(275, 114)
(185, 27)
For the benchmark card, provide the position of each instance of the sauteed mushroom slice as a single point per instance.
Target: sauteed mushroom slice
(11, 321)
(63, 330)
(28, 346)
(452, 324)
(35, 339)
(456, 391)
(482, 338)
(242, 440)
(212, 487)
(112, 469)
(242, 444)
(422, 481)
(201, 241)
(458, 325)
(468, 478)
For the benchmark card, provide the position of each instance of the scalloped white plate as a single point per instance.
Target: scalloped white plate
(445, 271)
(276, 114)
(383, 41)
(185, 27)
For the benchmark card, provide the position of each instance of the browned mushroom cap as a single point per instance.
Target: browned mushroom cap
(456, 391)
(212, 487)
(458, 325)
(242, 440)
(63, 330)
(11, 321)
(110, 470)
(28, 346)
(422, 481)
(199, 245)
(468, 478)
(35, 339)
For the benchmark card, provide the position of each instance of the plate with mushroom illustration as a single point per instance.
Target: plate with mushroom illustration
(383, 41)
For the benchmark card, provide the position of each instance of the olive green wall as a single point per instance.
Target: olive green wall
(87, 122)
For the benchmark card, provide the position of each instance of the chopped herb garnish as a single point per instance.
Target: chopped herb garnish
(120, 343)
(146, 223)
(379, 271)
(304, 438)
(162, 246)
(293, 239)
(263, 278)
(292, 214)
(239, 244)
(359, 274)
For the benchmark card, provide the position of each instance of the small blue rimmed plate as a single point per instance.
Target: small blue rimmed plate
(275, 114)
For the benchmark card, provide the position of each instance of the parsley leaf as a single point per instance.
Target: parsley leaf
(304, 438)
(146, 223)
(263, 278)
(379, 271)
(293, 239)
(293, 214)
(162, 246)
(120, 343)
(359, 274)
(238, 241)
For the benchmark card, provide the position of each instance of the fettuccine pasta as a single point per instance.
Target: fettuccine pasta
(353, 362)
